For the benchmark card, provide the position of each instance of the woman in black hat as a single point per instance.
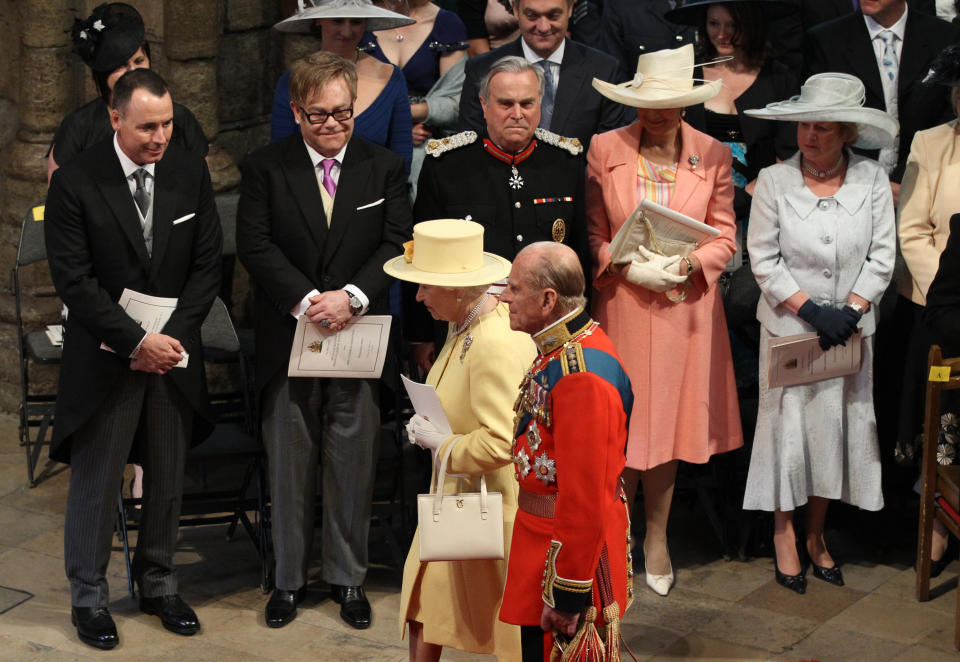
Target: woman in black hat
(111, 41)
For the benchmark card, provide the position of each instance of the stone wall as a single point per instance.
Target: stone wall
(221, 59)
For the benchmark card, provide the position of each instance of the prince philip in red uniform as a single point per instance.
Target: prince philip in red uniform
(571, 538)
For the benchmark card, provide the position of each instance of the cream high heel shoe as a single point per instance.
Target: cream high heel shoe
(660, 584)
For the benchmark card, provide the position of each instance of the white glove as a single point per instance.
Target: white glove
(425, 434)
(655, 272)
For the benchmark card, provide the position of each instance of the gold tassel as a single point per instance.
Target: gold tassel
(586, 645)
(611, 615)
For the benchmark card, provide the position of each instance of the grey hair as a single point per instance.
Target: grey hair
(557, 268)
(471, 293)
(511, 64)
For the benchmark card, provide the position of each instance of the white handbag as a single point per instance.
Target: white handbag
(459, 527)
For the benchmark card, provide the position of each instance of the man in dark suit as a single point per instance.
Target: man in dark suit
(570, 106)
(320, 212)
(855, 44)
(137, 213)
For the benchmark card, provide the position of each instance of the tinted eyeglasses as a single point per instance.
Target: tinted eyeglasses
(340, 115)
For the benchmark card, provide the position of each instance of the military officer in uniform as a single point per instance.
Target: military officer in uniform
(571, 548)
(523, 184)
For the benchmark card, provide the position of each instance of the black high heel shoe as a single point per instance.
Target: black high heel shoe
(796, 583)
(831, 575)
(936, 567)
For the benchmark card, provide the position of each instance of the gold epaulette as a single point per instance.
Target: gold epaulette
(571, 358)
(572, 145)
(438, 146)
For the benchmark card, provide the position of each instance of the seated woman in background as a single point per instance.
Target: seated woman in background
(382, 111)
(822, 245)
(112, 41)
(929, 196)
(456, 603)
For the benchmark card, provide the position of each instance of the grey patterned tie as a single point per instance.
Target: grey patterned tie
(549, 91)
(891, 64)
(140, 196)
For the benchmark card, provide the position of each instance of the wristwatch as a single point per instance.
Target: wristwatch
(856, 306)
(355, 304)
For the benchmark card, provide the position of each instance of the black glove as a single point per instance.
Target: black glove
(833, 325)
(853, 314)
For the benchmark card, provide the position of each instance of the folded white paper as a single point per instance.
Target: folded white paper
(150, 312)
(356, 351)
(426, 402)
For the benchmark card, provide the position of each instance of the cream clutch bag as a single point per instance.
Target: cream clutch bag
(459, 527)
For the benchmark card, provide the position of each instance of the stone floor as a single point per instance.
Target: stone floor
(719, 610)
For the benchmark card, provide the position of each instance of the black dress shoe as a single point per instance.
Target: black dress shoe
(282, 606)
(95, 626)
(175, 614)
(832, 575)
(354, 606)
(796, 583)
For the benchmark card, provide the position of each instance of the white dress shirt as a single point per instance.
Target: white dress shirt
(316, 158)
(554, 60)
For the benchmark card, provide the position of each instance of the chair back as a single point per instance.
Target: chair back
(227, 210)
(217, 331)
(32, 247)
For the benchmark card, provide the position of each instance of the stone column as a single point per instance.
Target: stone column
(191, 30)
(46, 95)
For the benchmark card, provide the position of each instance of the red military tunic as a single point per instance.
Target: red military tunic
(569, 448)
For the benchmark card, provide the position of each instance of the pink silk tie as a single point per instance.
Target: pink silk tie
(328, 183)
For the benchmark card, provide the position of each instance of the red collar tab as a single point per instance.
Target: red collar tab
(506, 157)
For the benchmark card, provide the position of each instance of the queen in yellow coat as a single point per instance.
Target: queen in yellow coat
(476, 375)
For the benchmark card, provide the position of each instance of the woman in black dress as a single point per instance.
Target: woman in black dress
(112, 41)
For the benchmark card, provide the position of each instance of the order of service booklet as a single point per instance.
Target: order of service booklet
(358, 350)
(798, 359)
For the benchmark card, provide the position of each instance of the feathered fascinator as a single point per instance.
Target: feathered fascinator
(946, 68)
(109, 36)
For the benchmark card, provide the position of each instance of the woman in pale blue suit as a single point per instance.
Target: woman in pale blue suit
(822, 243)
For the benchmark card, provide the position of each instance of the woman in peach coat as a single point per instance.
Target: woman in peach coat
(676, 353)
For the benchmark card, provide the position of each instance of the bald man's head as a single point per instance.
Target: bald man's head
(546, 283)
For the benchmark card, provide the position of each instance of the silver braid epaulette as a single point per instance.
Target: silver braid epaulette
(437, 146)
(572, 145)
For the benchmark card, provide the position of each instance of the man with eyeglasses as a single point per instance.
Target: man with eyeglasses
(320, 212)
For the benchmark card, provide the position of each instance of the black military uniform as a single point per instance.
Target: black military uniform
(535, 195)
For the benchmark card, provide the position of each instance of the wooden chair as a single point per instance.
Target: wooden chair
(940, 491)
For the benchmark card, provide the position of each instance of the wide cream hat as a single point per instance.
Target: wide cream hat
(835, 97)
(377, 18)
(664, 79)
(448, 252)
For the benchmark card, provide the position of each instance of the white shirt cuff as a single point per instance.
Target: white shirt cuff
(136, 350)
(357, 292)
(298, 310)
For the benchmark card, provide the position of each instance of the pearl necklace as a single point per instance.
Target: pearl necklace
(460, 328)
(822, 174)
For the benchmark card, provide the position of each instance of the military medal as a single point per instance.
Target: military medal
(545, 469)
(522, 460)
(533, 436)
(516, 181)
(559, 230)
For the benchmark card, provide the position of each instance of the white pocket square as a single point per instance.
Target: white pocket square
(184, 218)
(372, 204)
